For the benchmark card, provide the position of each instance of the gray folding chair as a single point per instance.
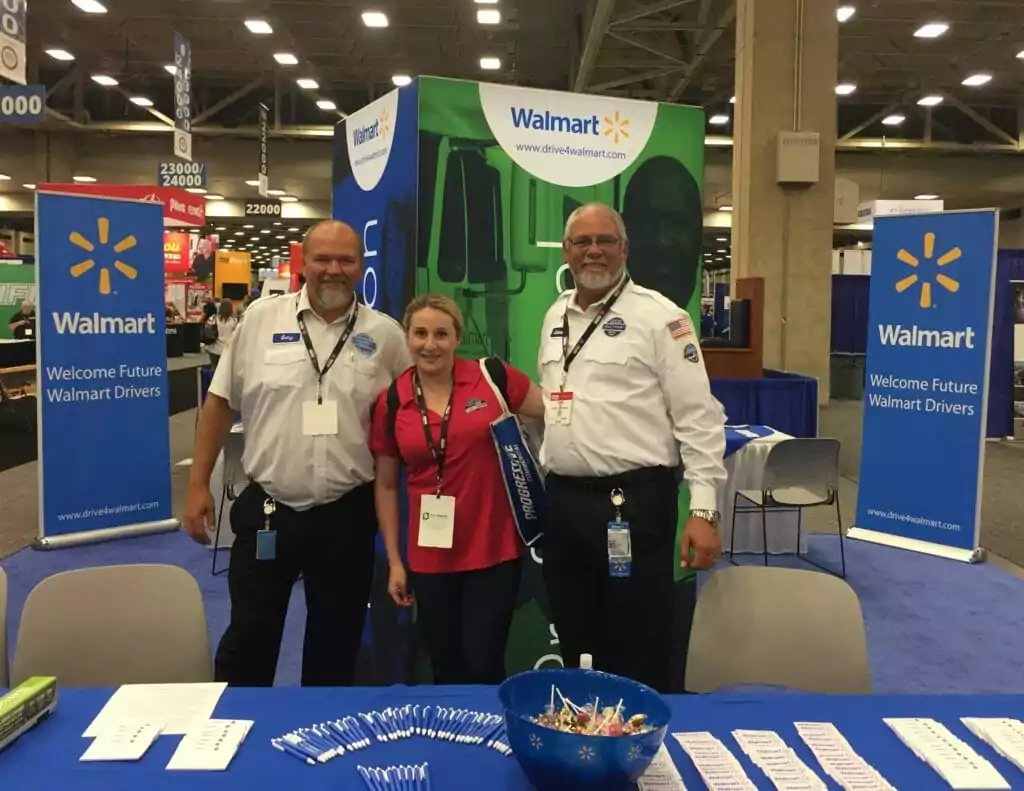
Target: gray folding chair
(798, 474)
(4, 675)
(234, 474)
(781, 627)
(112, 625)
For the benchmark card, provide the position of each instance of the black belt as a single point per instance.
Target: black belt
(604, 483)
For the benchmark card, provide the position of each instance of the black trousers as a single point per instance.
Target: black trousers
(626, 623)
(465, 619)
(333, 547)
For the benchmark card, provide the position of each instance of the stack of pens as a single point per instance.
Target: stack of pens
(400, 778)
(321, 743)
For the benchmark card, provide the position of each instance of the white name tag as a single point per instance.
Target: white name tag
(319, 420)
(560, 413)
(437, 521)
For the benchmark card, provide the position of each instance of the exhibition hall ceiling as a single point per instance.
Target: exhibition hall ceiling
(666, 50)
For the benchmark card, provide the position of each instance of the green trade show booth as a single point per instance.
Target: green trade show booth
(464, 188)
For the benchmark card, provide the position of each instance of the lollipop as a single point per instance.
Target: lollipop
(591, 719)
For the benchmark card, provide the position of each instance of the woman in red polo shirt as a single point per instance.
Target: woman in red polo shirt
(463, 549)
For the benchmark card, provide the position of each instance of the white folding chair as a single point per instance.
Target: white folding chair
(234, 474)
(798, 474)
(780, 627)
(113, 625)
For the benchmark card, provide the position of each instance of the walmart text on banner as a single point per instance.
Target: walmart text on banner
(104, 459)
(929, 342)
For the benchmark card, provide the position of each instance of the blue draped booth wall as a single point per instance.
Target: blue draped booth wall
(1000, 376)
(786, 402)
(850, 301)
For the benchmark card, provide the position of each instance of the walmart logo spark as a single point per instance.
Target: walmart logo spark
(615, 127)
(943, 280)
(103, 233)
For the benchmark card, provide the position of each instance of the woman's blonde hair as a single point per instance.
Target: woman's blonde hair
(437, 302)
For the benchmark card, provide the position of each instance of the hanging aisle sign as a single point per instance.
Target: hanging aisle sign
(103, 370)
(926, 394)
(12, 40)
(264, 178)
(263, 207)
(22, 104)
(182, 97)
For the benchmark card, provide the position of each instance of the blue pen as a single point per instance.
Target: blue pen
(409, 729)
(384, 724)
(469, 737)
(446, 718)
(329, 737)
(410, 778)
(316, 736)
(426, 776)
(366, 718)
(304, 747)
(494, 728)
(366, 778)
(429, 725)
(424, 720)
(456, 723)
(341, 735)
(353, 724)
(460, 725)
(313, 739)
(403, 721)
(284, 747)
(378, 779)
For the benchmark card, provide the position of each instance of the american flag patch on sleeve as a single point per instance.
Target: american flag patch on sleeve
(680, 327)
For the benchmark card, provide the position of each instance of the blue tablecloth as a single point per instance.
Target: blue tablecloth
(734, 440)
(47, 758)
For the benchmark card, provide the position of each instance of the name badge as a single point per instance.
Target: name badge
(560, 412)
(319, 420)
(286, 337)
(28, 332)
(620, 549)
(437, 521)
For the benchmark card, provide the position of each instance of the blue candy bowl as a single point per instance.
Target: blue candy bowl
(557, 761)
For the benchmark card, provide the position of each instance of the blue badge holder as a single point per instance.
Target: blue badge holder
(266, 545)
(620, 550)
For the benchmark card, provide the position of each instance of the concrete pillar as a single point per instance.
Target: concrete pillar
(786, 63)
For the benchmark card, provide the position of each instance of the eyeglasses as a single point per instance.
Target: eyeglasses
(604, 242)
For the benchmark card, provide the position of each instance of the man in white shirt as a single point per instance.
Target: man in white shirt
(303, 369)
(628, 400)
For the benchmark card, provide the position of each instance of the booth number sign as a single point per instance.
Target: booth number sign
(263, 208)
(182, 174)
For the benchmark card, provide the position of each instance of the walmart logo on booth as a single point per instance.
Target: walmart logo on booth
(925, 293)
(614, 126)
(377, 130)
(102, 240)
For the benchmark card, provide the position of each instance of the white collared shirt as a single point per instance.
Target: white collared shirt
(267, 375)
(641, 395)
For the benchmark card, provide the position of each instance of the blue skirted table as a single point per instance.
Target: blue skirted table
(786, 402)
(47, 757)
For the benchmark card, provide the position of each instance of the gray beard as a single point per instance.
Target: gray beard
(594, 281)
(332, 297)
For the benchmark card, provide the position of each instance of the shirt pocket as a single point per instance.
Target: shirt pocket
(364, 373)
(610, 367)
(282, 368)
(551, 363)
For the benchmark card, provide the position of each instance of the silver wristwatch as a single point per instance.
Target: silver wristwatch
(708, 516)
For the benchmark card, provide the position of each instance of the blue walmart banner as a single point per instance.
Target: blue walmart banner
(932, 281)
(105, 448)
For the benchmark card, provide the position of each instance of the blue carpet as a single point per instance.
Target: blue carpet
(933, 625)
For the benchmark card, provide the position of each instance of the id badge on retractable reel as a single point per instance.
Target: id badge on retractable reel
(620, 549)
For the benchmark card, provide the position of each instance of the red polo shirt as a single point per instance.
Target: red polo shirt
(485, 534)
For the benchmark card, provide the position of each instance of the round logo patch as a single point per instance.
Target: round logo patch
(691, 354)
(364, 343)
(614, 327)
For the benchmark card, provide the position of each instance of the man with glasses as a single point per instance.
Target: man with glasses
(627, 403)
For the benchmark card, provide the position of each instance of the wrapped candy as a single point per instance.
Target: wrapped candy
(591, 719)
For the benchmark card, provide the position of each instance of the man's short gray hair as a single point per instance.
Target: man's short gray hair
(620, 224)
(325, 223)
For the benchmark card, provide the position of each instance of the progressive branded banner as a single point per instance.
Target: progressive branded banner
(104, 457)
(932, 286)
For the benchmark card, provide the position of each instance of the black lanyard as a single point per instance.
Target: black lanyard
(569, 356)
(320, 374)
(440, 451)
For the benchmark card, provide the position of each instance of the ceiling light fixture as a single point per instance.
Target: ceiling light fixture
(286, 59)
(732, 100)
(326, 104)
(90, 6)
(932, 100)
(845, 88)
(105, 80)
(931, 30)
(221, 228)
(215, 197)
(4, 177)
(83, 179)
(307, 84)
(29, 186)
(264, 230)
(488, 16)
(718, 120)
(171, 69)
(894, 120)
(293, 230)
(401, 80)
(375, 19)
(926, 196)
(195, 190)
(248, 227)
(1021, 54)
(60, 54)
(725, 208)
(279, 237)
(844, 12)
(490, 63)
(486, 2)
(141, 101)
(977, 79)
(275, 192)
(252, 183)
(721, 239)
(239, 233)
(259, 27)
(289, 199)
